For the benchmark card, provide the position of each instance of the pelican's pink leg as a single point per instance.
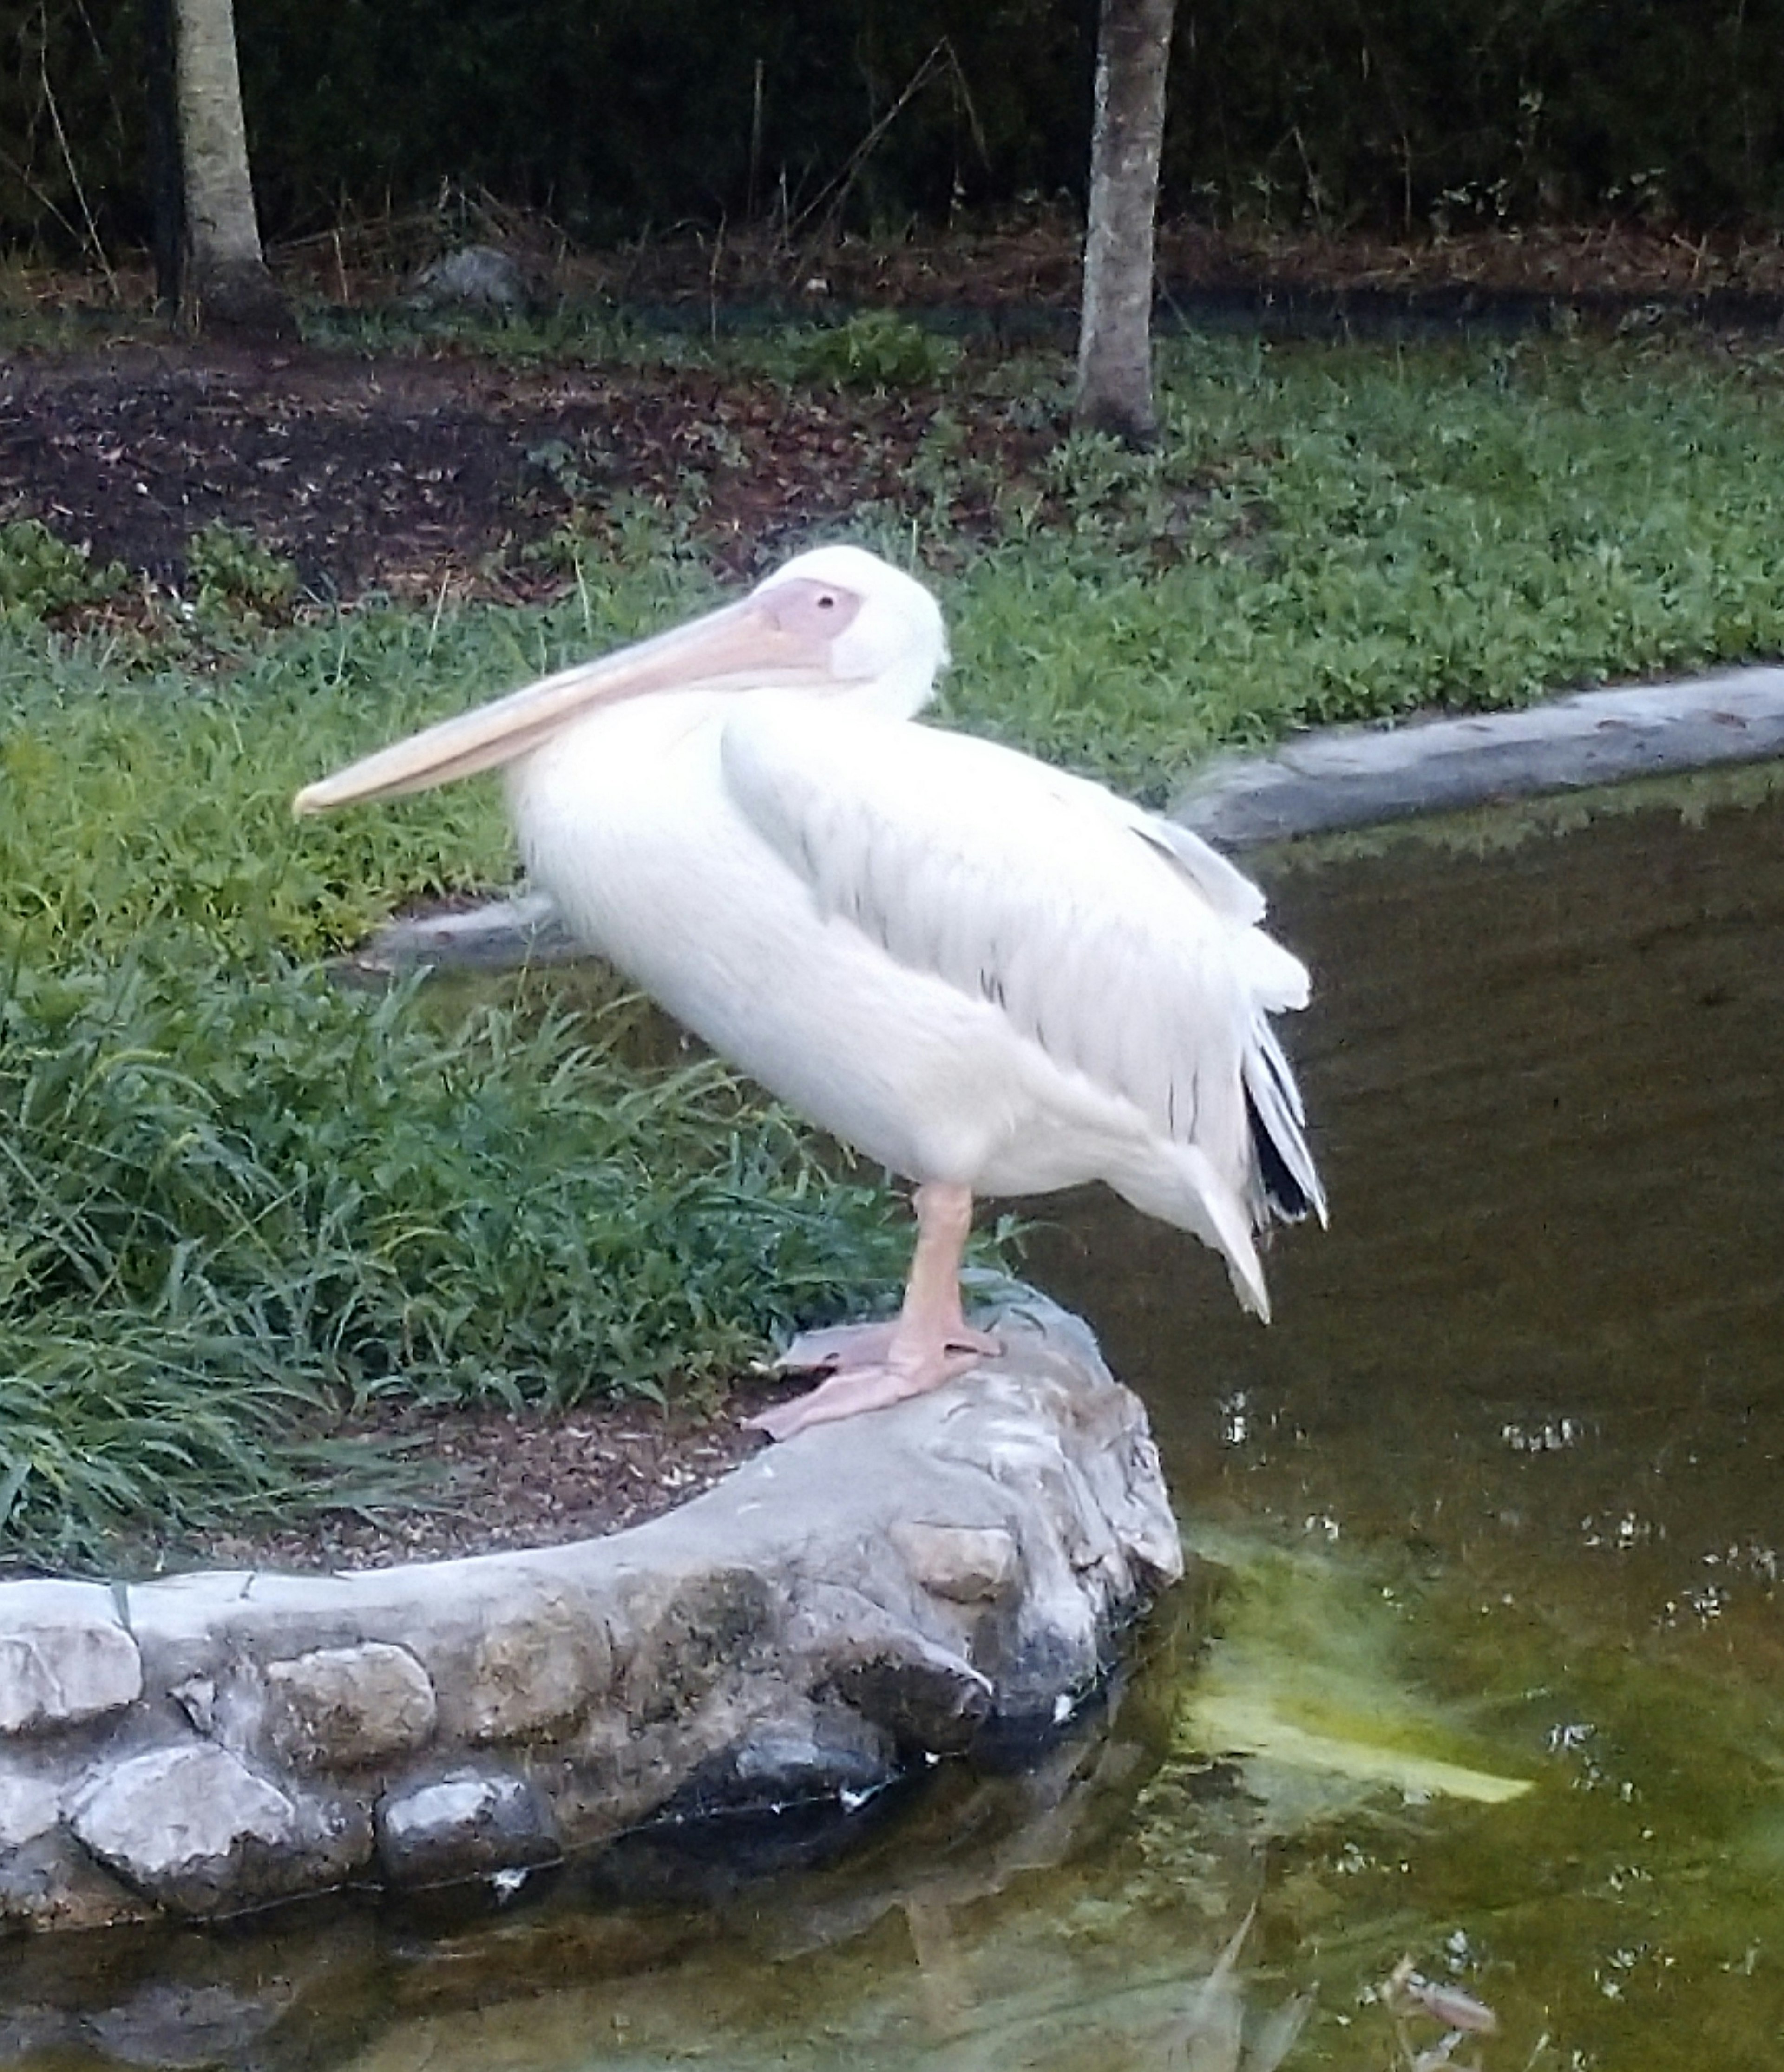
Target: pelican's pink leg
(929, 1341)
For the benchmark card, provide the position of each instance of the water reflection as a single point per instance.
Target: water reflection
(1503, 1478)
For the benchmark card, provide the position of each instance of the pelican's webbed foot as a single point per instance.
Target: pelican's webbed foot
(928, 1342)
(868, 1369)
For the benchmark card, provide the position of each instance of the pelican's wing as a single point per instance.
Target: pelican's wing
(1123, 945)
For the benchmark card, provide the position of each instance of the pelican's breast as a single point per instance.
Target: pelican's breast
(628, 822)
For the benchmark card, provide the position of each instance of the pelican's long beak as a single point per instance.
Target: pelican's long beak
(760, 641)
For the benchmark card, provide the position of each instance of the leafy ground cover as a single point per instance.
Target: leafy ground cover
(242, 1203)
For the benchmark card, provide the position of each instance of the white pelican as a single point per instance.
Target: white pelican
(986, 974)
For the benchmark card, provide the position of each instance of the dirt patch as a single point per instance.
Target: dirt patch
(405, 474)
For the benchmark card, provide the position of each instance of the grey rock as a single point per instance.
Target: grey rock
(926, 1695)
(807, 1752)
(343, 1706)
(50, 1881)
(538, 1667)
(31, 1804)
(694, 1626)
(64, 1656)
(160, 1814)
(463, 1823)
(825, 1752)
(842, 1607)
(526, 930)
(475, 277)
(931, 1702)
(965, 1564)
(193, 1827)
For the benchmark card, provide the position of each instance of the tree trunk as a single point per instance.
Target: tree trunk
(227, 280)
(1133, 45)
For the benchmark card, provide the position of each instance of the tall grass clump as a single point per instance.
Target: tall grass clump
(231, 1204)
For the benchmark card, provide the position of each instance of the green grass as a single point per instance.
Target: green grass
(1363, 535)
(40, 573)
(237, 1198)
(137, 791)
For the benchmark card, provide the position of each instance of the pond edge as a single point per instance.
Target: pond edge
(1353, 777)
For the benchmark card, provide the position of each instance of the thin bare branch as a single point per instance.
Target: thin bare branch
(92, 238)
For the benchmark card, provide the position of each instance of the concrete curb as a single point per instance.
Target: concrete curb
(1350, 777)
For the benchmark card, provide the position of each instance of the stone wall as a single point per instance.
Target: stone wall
(869, 1596)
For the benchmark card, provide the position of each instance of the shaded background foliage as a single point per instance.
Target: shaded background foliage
(625, 118)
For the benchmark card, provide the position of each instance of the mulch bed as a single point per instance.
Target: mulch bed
(511, 1479)
(417, 476)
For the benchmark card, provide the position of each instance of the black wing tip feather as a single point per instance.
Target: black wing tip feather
(1287, 1199)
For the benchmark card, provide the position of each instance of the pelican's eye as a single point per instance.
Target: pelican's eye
(819, 610)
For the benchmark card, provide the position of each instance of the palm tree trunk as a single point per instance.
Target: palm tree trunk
(228, 283)
(1134, 45)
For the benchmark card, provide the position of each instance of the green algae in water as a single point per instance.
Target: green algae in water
(1303, 1678)
(1615, 1915)
(1622, 1908)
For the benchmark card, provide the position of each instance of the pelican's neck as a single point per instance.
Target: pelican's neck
(612, 746)
(899, 692)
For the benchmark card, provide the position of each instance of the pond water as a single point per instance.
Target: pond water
(1491, 1524)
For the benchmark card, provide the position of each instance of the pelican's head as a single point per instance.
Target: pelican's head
(887, 641)
(837, 622)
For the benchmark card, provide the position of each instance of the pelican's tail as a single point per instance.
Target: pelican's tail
(1179, 1185)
